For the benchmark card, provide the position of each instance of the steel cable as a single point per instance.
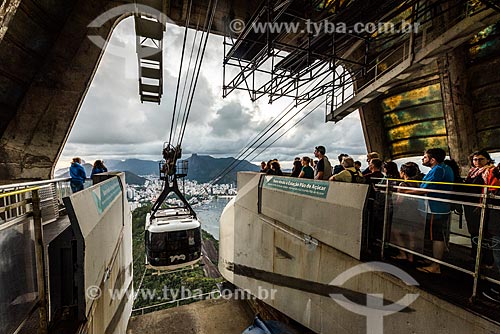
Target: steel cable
(180, 71)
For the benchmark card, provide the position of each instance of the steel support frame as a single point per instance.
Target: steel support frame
(492, 4)
(259, 59)
(287, 83)
(409, 57)
(282, 82)
(170, 186)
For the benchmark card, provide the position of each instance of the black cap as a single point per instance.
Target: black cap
(321, 149)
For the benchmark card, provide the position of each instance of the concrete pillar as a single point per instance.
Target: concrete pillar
(372, 120)
(8, 9)
(458, 110)
(33, 140)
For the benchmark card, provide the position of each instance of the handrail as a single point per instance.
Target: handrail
(439, 183)
(409, 48)
(483, 204)
(438, 199)
(17, 192)
(177, 301)
(34, 183)
(51, 192)
(31, 214)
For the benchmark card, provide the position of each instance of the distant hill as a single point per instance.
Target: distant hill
(202, 168)
(136, 166)
(131, 178)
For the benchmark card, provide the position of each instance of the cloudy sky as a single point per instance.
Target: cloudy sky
(113, 124)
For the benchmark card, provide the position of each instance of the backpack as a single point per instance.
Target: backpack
(356, 177)
(328, 168)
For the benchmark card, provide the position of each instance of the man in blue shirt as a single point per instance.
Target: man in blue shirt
(437, 213)
(78, 175)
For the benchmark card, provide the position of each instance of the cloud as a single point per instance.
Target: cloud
(232, 120)
(113, 124)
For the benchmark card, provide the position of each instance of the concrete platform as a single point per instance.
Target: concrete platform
(204, 317)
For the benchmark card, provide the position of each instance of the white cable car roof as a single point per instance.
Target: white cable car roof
(172, 222)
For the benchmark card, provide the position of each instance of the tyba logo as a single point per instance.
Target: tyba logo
(374, 310)
(118, 49)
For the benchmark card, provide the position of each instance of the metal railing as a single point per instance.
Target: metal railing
(403, 210)
(24, 209)
(409, 44)
(51, 194)
(21, 255)
(209, 295)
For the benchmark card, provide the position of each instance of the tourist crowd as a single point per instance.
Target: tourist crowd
(444, 175)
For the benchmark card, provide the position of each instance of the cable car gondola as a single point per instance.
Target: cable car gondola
(172, 235)
(173, 239)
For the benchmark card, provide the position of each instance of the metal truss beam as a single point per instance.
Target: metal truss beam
(454, 36)
(149, 29)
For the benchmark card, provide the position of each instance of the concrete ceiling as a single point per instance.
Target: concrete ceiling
(47, 63)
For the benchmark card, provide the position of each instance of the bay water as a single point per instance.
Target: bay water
(209, 215)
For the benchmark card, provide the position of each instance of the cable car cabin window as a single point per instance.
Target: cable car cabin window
(174, 245)
(191, 237)
(177, 235)
(157, 241)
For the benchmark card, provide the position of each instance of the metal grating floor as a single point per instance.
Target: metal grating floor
(455, 286)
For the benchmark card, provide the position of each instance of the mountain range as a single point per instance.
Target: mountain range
(130, 178)
(202, 168)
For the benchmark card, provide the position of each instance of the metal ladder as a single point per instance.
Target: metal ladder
(149, 29)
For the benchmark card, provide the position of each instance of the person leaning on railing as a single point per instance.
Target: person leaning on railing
(481, 166)
(323, 169)
(98, 168)
(307, 171)
(297, 168)
(390, 170)
(369, 157)
(263, 167)
(78, 175)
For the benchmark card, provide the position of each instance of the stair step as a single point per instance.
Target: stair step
(152, 73)
(149, 29)
(149, 88)
(149, 53)
(149, 98)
